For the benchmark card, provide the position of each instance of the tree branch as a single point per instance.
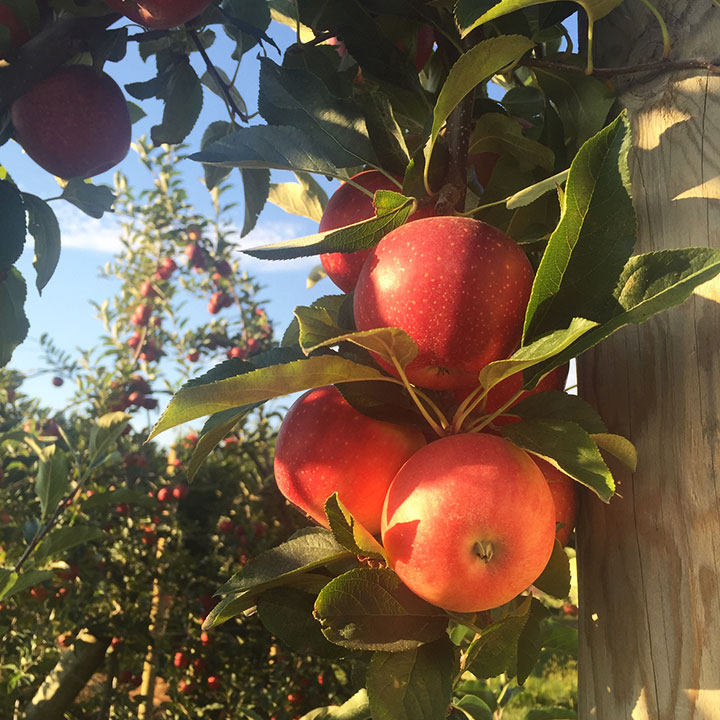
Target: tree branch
(652, 66)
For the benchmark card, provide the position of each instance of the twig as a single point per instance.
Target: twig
(654, 65)
(216, 76)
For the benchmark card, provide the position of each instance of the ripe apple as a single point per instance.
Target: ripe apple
(346, 206)
(159, 14)
(180, 491)
(164, 494)
(468, 522)
(181, 660)
(457, 286)
(57, 381)
(326, 446)
(74, 123)
(566, 496)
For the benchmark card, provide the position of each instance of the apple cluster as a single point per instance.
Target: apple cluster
(467, 519)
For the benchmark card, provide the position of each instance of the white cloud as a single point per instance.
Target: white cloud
(85, 233)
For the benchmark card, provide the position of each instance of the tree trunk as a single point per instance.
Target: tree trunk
(649, 562)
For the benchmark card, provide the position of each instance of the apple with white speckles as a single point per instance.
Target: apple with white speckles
(326, 446)
(347, 206)
(457, 286)
(469, 522)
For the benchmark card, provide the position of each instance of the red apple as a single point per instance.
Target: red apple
(483, 165)
(164, 494)
(346, 206)
(57, 381)
(180, 492)
(213, 682)
(159, 14)
(566, 496)
(74, 123)
(457, 286)
(193, 355)
(225, 526)
(185, 687)
(469, 522)
(325, 446)
(181, 660)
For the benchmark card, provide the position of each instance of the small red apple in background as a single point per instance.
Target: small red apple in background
(346, 206)
(164, 494)
(325, 446)
(58, 381)
(185, 687)
(193, 355)
(159, 14)
(225, 526)
(65, 640)
(236, 352)
(566, 496)
(74, 123)
(147, 290)
(213, 682)
(457, 286)
(180, 492)
(166, 268)
(469, 522)
(38, 593)
(483, 165)
(181, 660)
(205, 639)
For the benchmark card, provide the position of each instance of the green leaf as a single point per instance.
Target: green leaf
(582, 101)
(356, 708)
(306, 550)
(649, 284)
(215, 429)
(412, 685)
(393, 209)
(7, 579)
(183, 98)
(557, 405)
(498, 133)
(193, 401)
(52, 479)
(371, 609)
(288, 616)
(475, 707)
(619, 447)
(127, 496)
(315, 276)
(529, 644)
(277, 147)
(62, 539)
(473, 67)
(495, 650)
(217, 130)
(105, 432)
(349, 532)
(256, 186)
(44, 227)
(211, 84)
(470, 14)
(550, 713)
(593, 240)
(252, 18)
(136, 112)
(13, 322)
(329, 313)
(304, 197)
(93, 200)
(555, 578)
(566, 446)
(388, 402)
(297, 97)
(24, 580)
(542, 349)
(558, 637)
(530, 194)
(12, 212)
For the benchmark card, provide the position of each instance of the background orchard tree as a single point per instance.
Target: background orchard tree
(544, 157)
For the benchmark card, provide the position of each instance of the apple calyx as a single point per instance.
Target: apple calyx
(484, 550)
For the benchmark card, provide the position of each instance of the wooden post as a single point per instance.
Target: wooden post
(649, 562)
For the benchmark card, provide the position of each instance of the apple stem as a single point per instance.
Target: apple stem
(487, 419)
(438, 429)
(473, 399)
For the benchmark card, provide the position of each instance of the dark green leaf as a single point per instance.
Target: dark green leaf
(62, 539)
(297, 97)
(211, 84)
(136, 112)
(392, 209)
(386, 135)
(127, 496)
(356, 708)
(383, 401)
(475, 707)
(13, 322)
(252, 18)
(558, 637)
(593, 241)
(105, 432)
(553, 713)
(214, 175)
(556, 405)
(329, 309)
(304, 551)
(25, 580)
(93, 200)
(183, 98)
(288, 615)
(193, 401)
(349, 532)
(566, 446)
(496, 649)
(529, 644)
(44, 227)
(256, 186)
(52, 479)
(412, 685)
(12, 212)
(555, 578)
(371, 609)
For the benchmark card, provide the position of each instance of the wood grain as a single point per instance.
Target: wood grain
(649, 562)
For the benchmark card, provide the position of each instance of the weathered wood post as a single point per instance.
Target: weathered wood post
(650, 561)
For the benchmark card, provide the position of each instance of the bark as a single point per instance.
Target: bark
(649, 562)
(72, 672)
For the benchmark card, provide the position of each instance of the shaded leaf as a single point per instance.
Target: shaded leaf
(555, 578)
(13, 322)
(529, 644)
(256, 186)
(105, 432)
(12, 212)
(127, 496)
(356, 708)
(52, 479)
(44, 227)
(558, 637)
(183, 98)
(557, 405)
(62, 539)
(371, 609)
(93, 200)
(475, 707)
(304, 197)
(22, 581)
(412, 685)
(349, 532)
(214, 175)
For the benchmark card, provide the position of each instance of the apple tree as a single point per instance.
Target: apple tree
(498, 246)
